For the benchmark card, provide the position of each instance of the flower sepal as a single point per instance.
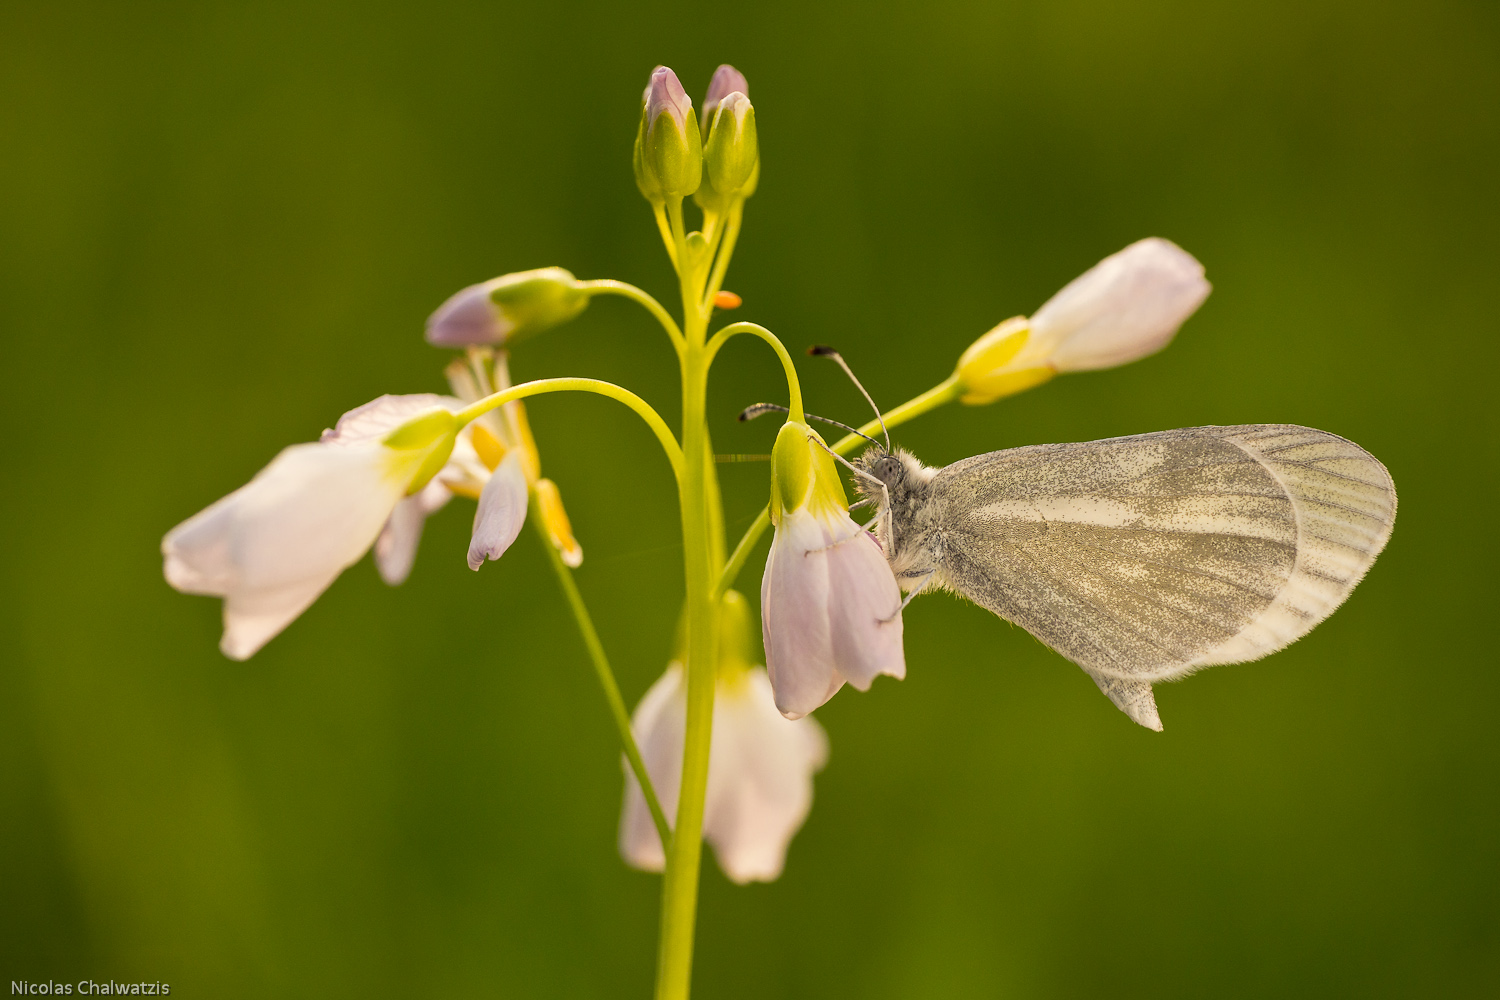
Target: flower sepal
(803, 473)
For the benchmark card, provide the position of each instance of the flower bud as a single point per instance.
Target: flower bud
(726, 80)
(731, 154)
(1124, 308)
(506, 309)
(668, 148)
(985, 371)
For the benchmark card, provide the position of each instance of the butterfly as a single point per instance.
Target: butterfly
(1142, 559)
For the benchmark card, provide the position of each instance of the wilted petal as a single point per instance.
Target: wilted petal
(795, 625)
(759, 775)
(759, 779)
(501, 511)
(1125, 307)
(271, 547)
(864, 609)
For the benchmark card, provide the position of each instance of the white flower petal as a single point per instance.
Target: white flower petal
(794, 615)
(864, 610)
(501, 511)
(759, 775)
(759, 779)
(271, 547)
(396, 548)
(659, 724)
(1127, 306)
(372, 422)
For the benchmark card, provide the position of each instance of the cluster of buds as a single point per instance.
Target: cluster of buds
(673, 159)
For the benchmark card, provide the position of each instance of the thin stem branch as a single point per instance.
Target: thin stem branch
(606, 678)
(793, 385)
(608, 286)
(742, 551)
(679, 236)
(945, 391)
(721, 266)
(653, 419)
(662, 226)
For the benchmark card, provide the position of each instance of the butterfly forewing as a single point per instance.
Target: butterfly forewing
(1144, 558)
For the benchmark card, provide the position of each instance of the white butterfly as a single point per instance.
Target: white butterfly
(1144, 558)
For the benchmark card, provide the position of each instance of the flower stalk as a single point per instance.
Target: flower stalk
(605, 674)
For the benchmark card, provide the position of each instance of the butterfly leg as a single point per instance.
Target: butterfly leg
(926, 578)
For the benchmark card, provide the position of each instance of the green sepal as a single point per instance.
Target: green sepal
(645, 179)
(670, 159)
(533, 301)
(737, 629)
(733, 149)
(434, 432)
(803, 473)
(791, 469)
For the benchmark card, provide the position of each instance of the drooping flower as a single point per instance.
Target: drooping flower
(272, 546)
(1126, 307)
(760, 769)
(830, 606)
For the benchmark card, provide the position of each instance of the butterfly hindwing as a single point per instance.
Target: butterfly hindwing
(1144, 558)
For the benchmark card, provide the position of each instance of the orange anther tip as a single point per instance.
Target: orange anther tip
(727, 300)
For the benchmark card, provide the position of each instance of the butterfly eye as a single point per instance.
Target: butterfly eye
(889, 470)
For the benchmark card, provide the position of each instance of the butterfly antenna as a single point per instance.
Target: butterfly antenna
(761, 409)
(820, 351)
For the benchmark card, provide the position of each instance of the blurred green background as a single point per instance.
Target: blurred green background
(221, 225)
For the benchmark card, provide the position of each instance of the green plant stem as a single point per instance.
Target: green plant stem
(606, 677)
(665, 228)
(703, 559)
(721, 266)
(944, 392)
(608, 286)
(684, 860)
(545, 385)
(793, 385)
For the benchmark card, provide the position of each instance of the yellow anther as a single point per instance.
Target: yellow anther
(461, 487)
(727, 300)
(549, 505)
(531, 461)
(489, 447)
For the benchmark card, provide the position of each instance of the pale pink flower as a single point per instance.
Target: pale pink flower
(760, 774)
(272, 546)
